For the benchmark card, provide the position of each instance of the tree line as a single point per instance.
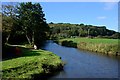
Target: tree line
(24, 22)
(67, 30)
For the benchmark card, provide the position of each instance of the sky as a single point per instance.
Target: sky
(90, 13)
(60, 0)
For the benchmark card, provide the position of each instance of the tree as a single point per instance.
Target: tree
(8, 21)
(66, 30)
(51, 23)
(81, 24)
(31, 18)
(116, 36)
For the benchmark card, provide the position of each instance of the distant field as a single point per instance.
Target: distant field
(106, 46)
(94, 40)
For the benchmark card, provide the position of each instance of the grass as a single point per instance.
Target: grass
(94, 40)
(31, 63)
(106, 46)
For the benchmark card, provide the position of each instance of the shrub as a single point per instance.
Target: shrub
(69, 43)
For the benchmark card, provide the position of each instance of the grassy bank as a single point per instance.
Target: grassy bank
(31, 64)
(106, 46)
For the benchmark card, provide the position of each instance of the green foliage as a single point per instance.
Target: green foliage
(32, 21)
(66, 30)
(24, 19)
(30, 64)
(8, 21)
(69, 43)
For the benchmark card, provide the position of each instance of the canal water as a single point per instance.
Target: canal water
(84, 64)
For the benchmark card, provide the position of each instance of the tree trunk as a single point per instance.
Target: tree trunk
(33, 38)
(7, 38)
(28, 39)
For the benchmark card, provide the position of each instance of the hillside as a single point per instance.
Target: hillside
(67, 30)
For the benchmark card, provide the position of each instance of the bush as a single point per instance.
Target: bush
(69, 44)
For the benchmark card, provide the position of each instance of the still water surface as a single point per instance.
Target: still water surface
(84, 64)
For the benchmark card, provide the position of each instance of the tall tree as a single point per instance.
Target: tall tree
(31, 18)
(8, 20)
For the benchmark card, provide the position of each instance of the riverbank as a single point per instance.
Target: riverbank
(105, 46)
(30, 64)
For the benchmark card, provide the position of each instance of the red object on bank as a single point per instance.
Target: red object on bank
(17, 51)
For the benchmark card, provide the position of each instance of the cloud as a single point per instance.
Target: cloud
(110, 5)
(101, 17)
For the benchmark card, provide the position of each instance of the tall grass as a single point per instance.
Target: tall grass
(109, 49)
(106, 46)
